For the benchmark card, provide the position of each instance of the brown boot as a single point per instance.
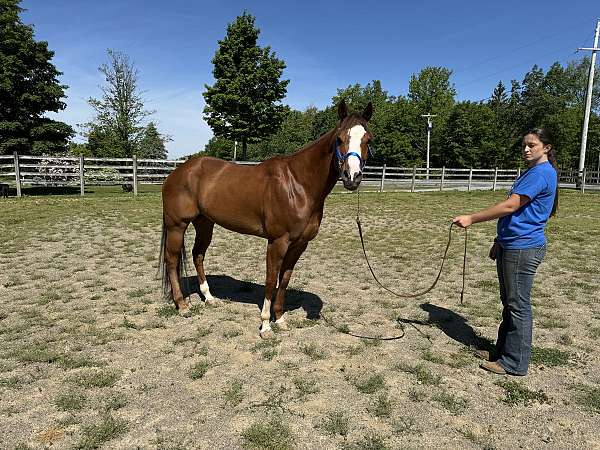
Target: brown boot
(494, 367)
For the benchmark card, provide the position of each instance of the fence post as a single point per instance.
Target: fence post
(442, 179)
(135, 180)
(382, 178)
(17, 174)
(412, 184)
(495, 179)
(518, 172)
(583, 182)
(81, 176)
(470, 179)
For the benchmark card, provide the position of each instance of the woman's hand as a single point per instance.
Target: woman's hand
(494, 251)
(463, 221)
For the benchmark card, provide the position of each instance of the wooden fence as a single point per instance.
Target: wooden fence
(79, 171)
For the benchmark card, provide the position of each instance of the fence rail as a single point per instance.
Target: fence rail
(79, 171)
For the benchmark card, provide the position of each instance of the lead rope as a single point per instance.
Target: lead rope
(399, 320)
(418, 294)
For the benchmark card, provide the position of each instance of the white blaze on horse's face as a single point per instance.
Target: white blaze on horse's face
(356, 134)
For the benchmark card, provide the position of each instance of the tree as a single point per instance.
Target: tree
(77, 149)
(398, 123)
(242, 104)
(219, 148)
(470, 138)
(117, 128)
(152, 143)
(499, 98)
(29, 87)
(295, 132)
(577, 72)
(554, 99)
(431, 92)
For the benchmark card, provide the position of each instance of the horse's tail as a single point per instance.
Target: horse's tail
(163, 272)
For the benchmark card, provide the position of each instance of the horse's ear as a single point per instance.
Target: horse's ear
(368, 112)
(342, 110)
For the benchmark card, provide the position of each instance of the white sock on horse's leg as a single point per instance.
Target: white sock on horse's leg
(265, 315)
(281, 323)
(206, 291)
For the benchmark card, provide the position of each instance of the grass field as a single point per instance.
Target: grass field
(91, 356)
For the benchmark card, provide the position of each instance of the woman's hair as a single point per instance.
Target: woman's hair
(546, 138)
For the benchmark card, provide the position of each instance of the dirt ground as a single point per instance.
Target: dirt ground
(91, 356)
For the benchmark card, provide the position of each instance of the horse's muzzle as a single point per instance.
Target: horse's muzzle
(353, 184)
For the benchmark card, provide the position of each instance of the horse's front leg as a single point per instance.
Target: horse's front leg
(276, 251)
(289, 261)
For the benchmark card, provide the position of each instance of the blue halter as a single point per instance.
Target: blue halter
(343, 157)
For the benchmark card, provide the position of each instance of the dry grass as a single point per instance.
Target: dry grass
(90, 355)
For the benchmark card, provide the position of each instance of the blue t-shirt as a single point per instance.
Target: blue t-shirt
(525, 227)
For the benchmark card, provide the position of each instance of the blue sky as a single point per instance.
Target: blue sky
(326, 45)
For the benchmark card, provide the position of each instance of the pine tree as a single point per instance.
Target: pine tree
(499, 97)
(242, 105)
(29, 87)
(152, 144)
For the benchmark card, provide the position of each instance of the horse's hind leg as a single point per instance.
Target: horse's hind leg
(173, 248)
(204, 232)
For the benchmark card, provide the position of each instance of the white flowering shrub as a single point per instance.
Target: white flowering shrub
(107, 174)
(56, 170)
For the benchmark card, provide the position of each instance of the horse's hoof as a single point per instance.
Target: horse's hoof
(185, 312)
(213, 302)
(282, 326)
(267, 334)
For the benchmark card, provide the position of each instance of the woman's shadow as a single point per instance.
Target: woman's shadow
(454, 326)
(226, 287)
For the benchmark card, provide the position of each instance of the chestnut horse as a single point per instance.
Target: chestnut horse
(280, 199)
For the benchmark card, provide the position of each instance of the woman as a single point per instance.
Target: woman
(519, 249)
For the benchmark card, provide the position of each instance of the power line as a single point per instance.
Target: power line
(510, 52)
(513, 67)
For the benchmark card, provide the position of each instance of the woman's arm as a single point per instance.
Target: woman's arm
(505, 207)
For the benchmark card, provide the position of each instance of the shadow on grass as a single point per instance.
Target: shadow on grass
(90, 189)
(49, 190)
(453, 325)
(226, 287)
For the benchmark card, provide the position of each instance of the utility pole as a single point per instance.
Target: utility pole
(429, 127)
(234, 150)
(588, 104)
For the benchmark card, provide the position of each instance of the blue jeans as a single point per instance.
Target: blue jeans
(516, 269)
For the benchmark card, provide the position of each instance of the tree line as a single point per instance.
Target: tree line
(482, 133)
(246, 105)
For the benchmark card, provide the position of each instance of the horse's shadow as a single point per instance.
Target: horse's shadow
(238, 291)
(454, 325)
